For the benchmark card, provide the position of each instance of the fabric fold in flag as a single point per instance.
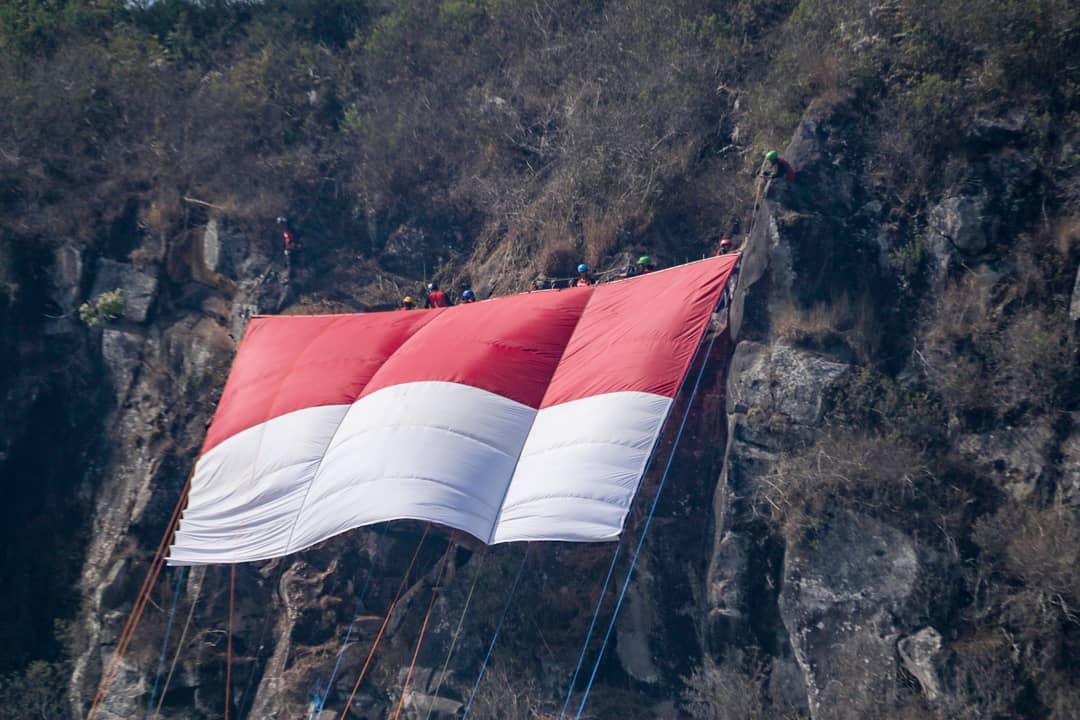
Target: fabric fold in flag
(529, 417)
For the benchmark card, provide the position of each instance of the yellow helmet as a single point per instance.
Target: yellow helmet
(408, 300)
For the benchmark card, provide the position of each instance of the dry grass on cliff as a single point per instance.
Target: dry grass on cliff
(980, 355)
(877, 475)
(1037, 552)
(851, 323)
(736, 688)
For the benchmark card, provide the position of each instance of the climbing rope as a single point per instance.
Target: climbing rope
(644, 531)
(228, 638)
(385, 622)
(614, 557)
(267, 619)
(588, 635)
(423, 629)
(457, 634)
(143, 598)
(495, 637)
(165, 641)
(348, 634)
(179, 648)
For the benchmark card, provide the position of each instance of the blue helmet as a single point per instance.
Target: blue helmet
(582, 268)
(468, 295)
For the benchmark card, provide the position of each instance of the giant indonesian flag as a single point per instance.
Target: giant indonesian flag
(528, 417)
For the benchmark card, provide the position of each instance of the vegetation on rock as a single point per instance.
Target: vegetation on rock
(933, 236)
(107, 306)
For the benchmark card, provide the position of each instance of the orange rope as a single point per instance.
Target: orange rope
(228, 640)
(385, 622)
(423, 629)
(141, 601)
(126, 635)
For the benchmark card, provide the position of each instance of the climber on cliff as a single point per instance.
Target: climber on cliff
(288, 238)
(407, 303)
(643, 266)
(436, 298)
(774, 166)
(726, 246)
(583, 277)
(468, 296)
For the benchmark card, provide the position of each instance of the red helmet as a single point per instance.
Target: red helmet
(726, 244)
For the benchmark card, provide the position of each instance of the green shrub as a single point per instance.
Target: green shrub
(107, 306)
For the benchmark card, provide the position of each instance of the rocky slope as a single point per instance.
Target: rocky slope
(873, 508)
(853, 617)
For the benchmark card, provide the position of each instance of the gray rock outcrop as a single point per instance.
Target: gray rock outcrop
(923, 657)
(841, 591)
(960, 220)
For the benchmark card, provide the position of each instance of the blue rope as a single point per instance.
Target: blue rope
(457, 635)
(165, 642)
(348, 635)
(588, 635)
(644, 530)
(276, 581)
(498, 628)
(607, 580)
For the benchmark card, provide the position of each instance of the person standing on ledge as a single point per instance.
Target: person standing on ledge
(436, 298)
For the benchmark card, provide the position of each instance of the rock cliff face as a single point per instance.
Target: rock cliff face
(846, 615)
(840, 608)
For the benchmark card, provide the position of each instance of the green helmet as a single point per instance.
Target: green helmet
(644, 260)
(772, 156)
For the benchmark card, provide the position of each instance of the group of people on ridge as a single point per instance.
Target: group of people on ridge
(437, 298)
(643, 266)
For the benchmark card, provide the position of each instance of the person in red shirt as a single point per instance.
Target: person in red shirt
(289, 239)
(583, 277)
(436, 298)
